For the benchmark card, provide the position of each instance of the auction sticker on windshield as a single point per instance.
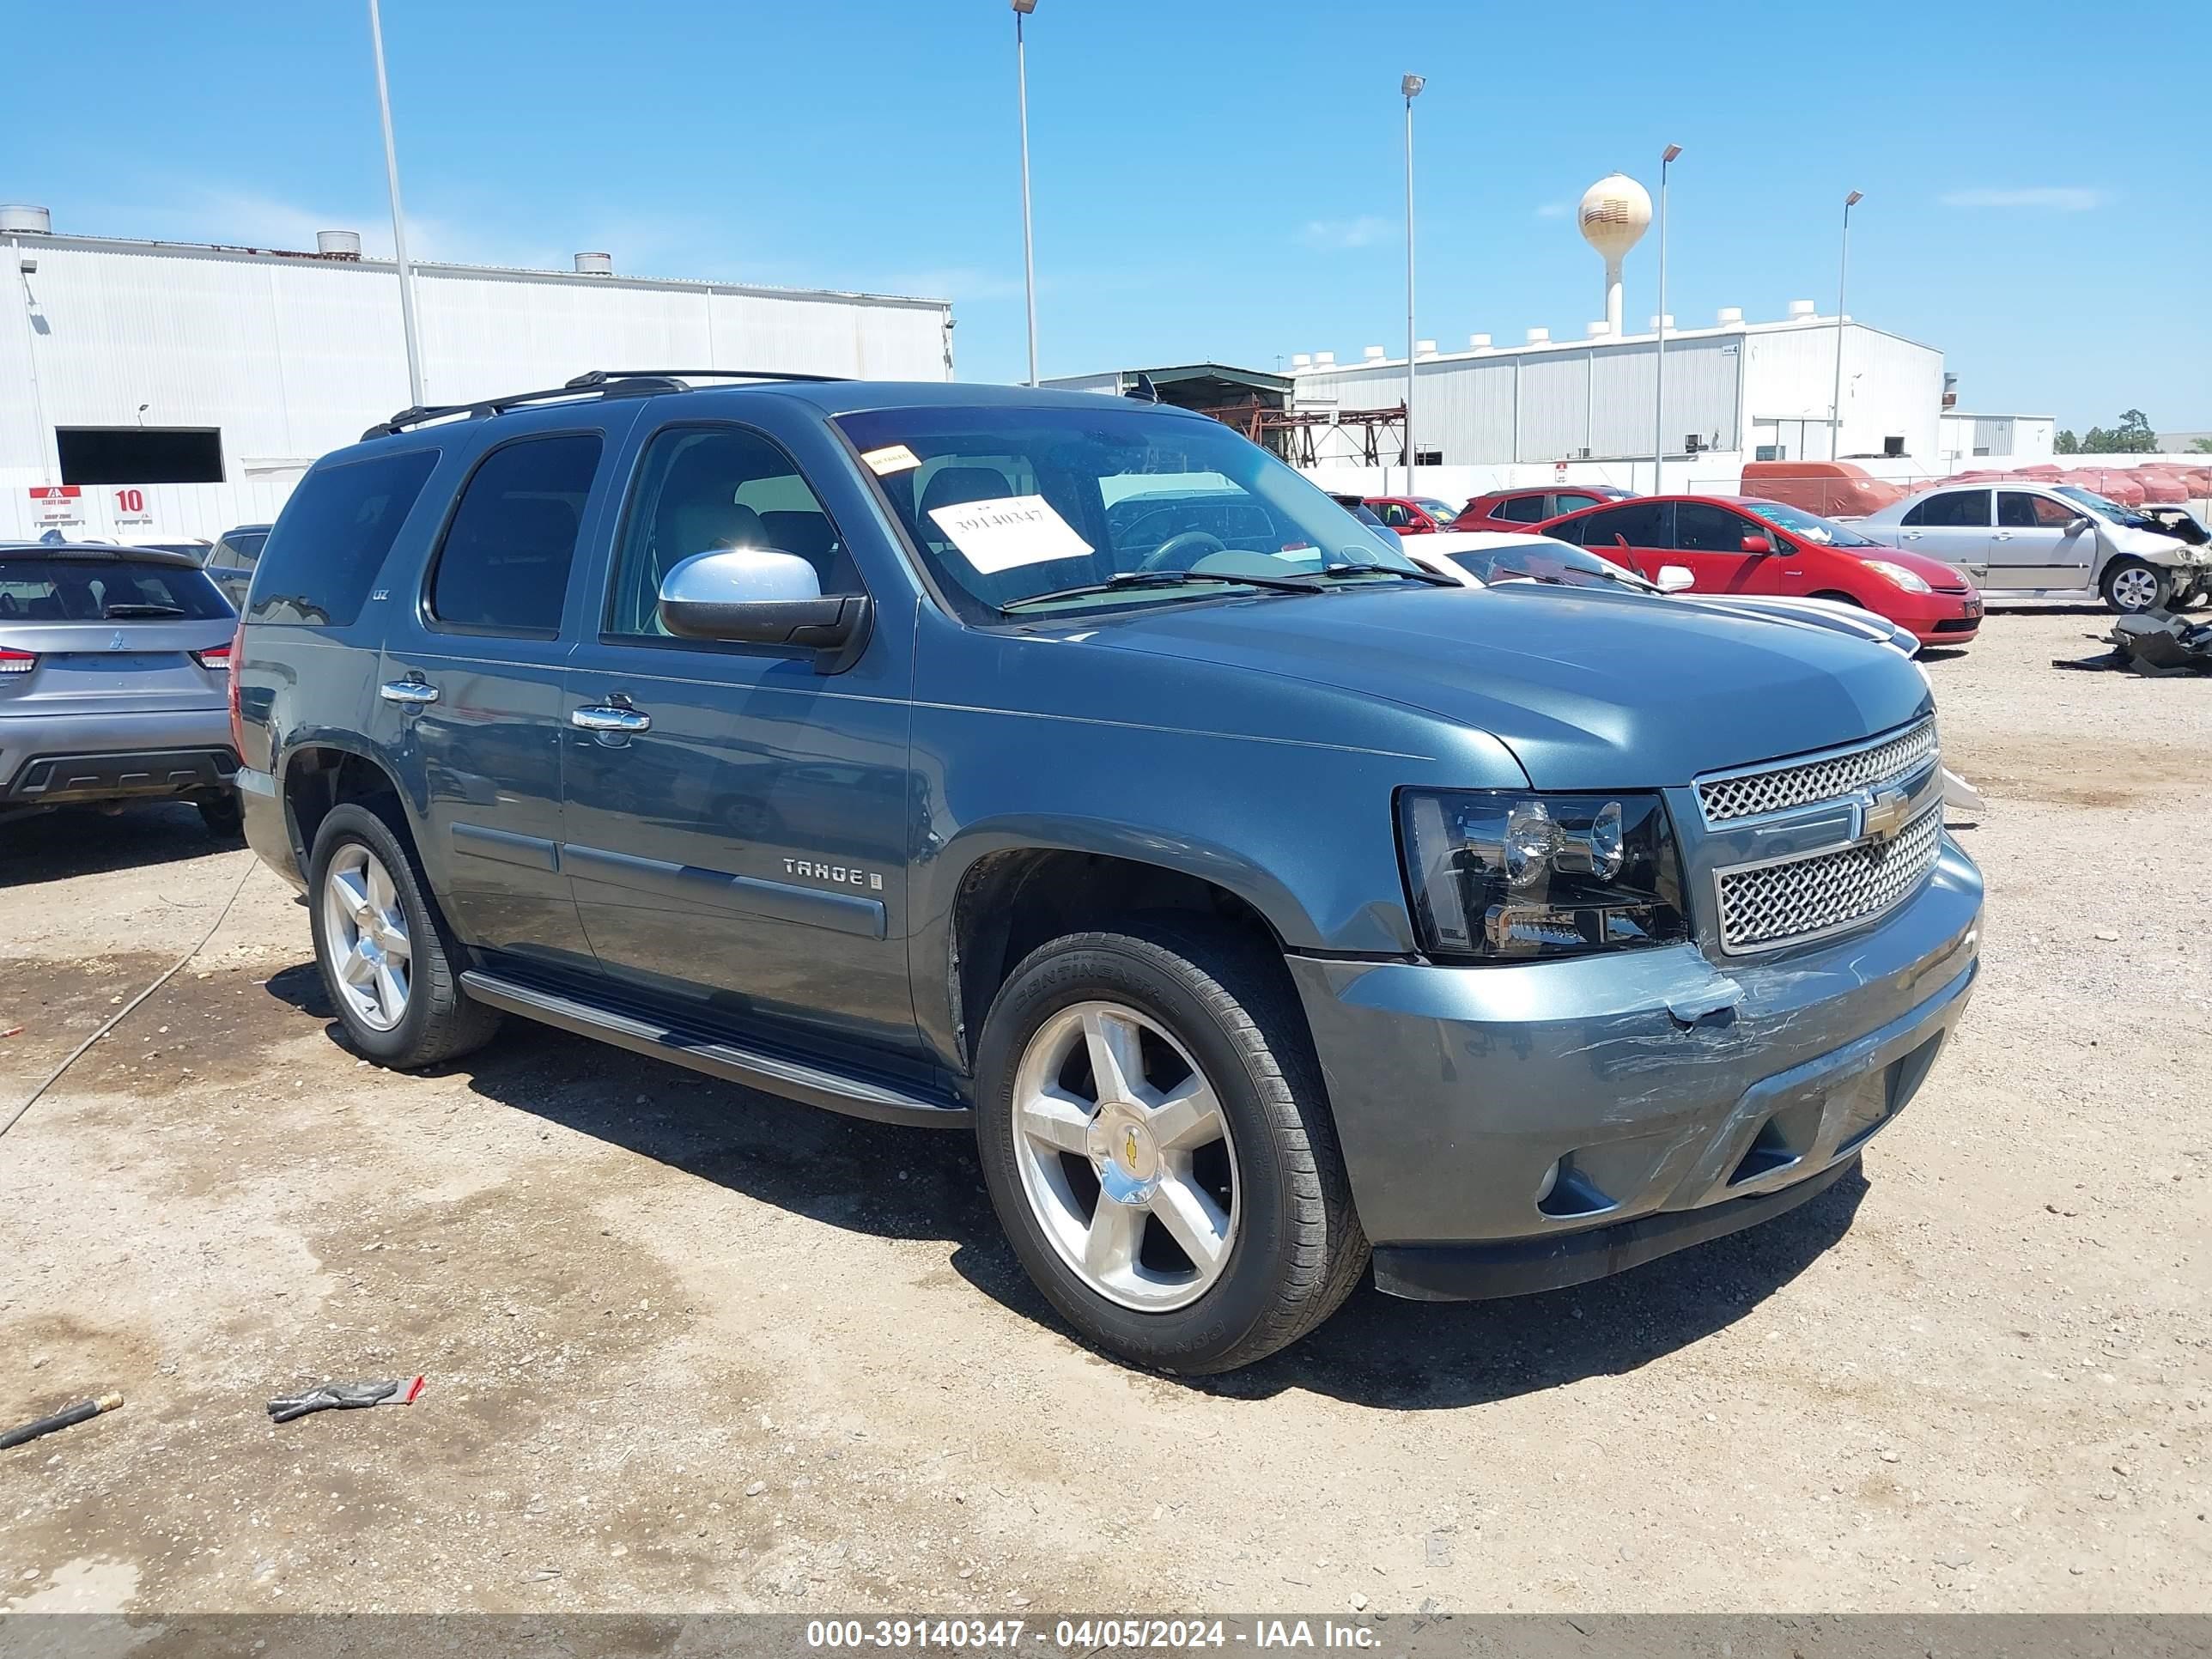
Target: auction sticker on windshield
(892, 458)
(1009, 532)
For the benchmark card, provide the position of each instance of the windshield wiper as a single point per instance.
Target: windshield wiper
(1330, 573)
(1141, 579)
(137, 608)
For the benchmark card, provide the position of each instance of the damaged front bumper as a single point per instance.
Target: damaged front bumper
(1521, 1128)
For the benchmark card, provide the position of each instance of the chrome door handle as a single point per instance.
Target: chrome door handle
(412, 694)
(602, 717)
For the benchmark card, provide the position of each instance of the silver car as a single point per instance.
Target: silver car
(114, 680)
(2021, 538)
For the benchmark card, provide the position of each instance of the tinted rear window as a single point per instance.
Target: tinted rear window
(104, 590)
(1969, 507)
(1640, 524)
(245, 547)
(331, 539)
(504, 566)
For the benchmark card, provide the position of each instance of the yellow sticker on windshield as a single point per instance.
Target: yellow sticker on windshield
(892, 458)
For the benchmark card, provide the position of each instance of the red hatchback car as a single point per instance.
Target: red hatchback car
(1741, 544)
(1412, 515)
(1518, 509)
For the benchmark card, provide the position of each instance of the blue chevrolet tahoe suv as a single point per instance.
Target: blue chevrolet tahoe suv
(1070, 769)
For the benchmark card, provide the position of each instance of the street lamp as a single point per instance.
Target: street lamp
(398, 218)
(1843, 270)
(1410, 85)
(1659, 359)
(1022, 9)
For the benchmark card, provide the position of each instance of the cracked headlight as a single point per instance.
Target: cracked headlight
(1500, 876)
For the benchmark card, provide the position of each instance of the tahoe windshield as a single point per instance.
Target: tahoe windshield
(2110, 511)
(1808, 526)
(1026, 511)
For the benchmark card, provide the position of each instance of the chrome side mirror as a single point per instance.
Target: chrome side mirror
(1675, 579)
(756, 596)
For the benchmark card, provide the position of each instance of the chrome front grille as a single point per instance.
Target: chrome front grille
(1764, 907)
(1830, 776)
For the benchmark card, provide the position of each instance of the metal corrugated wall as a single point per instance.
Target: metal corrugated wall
(290, 357)
(1705, 380)
(1891, 387)
(1554, 403)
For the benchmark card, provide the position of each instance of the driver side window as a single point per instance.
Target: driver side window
(701, 490)
(1700, 527)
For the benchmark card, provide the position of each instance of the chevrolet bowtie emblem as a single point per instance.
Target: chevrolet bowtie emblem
(1129, 1148)
(1883, 816)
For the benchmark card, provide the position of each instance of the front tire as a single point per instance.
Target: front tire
(387, 957)
(2131, 586)
(1156, 1140)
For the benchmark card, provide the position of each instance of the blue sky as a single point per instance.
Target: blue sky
(1213, 180)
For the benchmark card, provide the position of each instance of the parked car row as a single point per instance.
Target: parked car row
(1743, 545)
(1076, 775)
(1918, 560)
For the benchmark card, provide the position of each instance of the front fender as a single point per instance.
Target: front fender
(1306, 839)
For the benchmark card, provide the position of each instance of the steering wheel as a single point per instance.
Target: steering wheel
(1197, 543)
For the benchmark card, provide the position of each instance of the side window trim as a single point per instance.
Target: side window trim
(618, 544)
(429, 619)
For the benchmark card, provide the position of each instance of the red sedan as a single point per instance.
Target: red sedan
(1741, 544)
(1520, 509)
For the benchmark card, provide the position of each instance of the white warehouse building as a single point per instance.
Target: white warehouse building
(168, 391)
(1492, 416)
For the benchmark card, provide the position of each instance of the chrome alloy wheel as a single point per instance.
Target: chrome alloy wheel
(365, 929)
(1126, 1157)
(2134, 589)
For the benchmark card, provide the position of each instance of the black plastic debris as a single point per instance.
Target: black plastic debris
(345, 1397)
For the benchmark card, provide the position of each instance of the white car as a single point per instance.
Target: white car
(2015, 537)
(1481, 558)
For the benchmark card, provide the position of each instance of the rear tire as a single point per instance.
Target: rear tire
(388, 957)
(222, 815)
(1188, 1012)
(2131, 587)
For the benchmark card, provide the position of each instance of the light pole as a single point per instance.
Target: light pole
(1659, 358)
(1022, 9)
(1842, 271)
(1410, 85)
(398, 218)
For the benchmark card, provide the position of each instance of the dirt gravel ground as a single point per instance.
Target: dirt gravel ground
(690, 1348)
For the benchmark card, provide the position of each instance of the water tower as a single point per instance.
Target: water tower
(1615, 212)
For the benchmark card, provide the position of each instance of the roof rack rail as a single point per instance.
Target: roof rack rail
(606, 382)
(598, 377)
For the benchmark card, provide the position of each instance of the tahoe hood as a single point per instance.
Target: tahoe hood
(1590, 690)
